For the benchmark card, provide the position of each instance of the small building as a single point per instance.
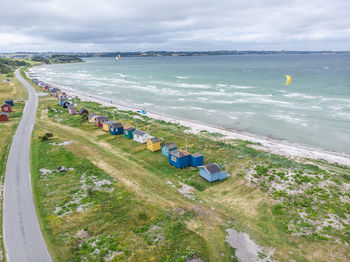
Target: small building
(100, 120)
(128, 132)
(179, 158)
(140, 136)
(72, 110)
(167, 148)
(106, 126)
(83, 111)
(65, 104)
(153, 144)
(197, 159)
(5, 108)
(212, 172)
(10, 102)
(62, 101)
(92, 117)
(116, 129)
(4, 117)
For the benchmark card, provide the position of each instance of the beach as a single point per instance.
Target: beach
(297, 152)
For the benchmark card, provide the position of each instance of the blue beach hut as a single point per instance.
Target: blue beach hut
(128, 132)
(212, 172)
(179, 158)
(117, 129)
(196, 159)
(9, 102)
(167, 148)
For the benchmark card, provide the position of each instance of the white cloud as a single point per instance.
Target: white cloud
(125, 25)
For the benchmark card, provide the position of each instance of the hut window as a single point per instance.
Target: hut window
(173, 158)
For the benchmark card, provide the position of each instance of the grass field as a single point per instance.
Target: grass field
(10, 90)
(289, 207)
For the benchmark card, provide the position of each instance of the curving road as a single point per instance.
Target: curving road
(22, 235)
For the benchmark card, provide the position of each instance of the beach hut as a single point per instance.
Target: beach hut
(212, 172)
(10, 102)
(83, 111)
(4, 117)
(179, 158)
(153, 144)
(196, 159)
(65, 104)
(5, 108)
(99, 120)
(117, 129)
(106, 126)
(72, 110)
(140, 136)
(167, 148)
(62, 101)
(128, 132)
(92, 117)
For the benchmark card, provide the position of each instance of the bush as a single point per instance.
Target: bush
(45, 137)
(84, 117)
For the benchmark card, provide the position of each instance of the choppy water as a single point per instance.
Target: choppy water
(228, 91)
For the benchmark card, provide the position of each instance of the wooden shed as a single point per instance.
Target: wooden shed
(128, 132)
(179, 158)
(107, 125)
(100, 120)
(140, 136)
(92, 117)
(212, 172)
(167, 148)
(72, 110)
(116, 129)
(4, 117)
(153, 144)
(83, 111)
(65, 104)
(10, 102)
(196, 159)
(5, 108)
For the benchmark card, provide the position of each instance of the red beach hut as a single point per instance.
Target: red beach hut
(4, 117)
(6, 108)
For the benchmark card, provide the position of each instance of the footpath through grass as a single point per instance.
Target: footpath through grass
(266, 196)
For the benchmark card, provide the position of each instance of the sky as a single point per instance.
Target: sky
(188, 25)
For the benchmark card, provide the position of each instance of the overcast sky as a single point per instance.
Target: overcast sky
(140, 25)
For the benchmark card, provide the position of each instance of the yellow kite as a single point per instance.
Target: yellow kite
(288, 79)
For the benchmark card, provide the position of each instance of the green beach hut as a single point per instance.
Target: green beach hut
(128, 132)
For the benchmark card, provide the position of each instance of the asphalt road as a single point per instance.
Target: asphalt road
(22, 235)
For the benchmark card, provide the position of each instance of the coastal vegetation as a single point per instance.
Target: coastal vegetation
(8, 66)
(15, 91)
(293, 210)
(57, 59)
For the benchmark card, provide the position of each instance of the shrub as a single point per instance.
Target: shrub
(45, 137)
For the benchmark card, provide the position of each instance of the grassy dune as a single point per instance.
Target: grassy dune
(145, 215)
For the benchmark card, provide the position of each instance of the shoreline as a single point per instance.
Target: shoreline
(270, 145)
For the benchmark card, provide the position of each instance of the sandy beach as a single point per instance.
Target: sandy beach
(297, 152)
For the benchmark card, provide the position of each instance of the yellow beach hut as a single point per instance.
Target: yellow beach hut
(153, 144)
(107, 125)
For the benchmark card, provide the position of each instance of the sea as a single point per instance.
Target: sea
(246, 93)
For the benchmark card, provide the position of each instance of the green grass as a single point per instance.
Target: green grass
(116, 220)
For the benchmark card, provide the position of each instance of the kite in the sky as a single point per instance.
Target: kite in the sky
(288, 79)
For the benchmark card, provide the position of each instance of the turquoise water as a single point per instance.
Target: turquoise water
(244, 93)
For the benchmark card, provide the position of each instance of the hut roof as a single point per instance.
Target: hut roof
(197, 155)
(82, 110)
(8, 100)
(116, 125)
(170, 145)
(154, 139)
(139, 133)
(212, 168)
(91, 115)
(3, 113)
(70, 106)
(130, 128)
(110, 122)
(179, 153)
(101, 118)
